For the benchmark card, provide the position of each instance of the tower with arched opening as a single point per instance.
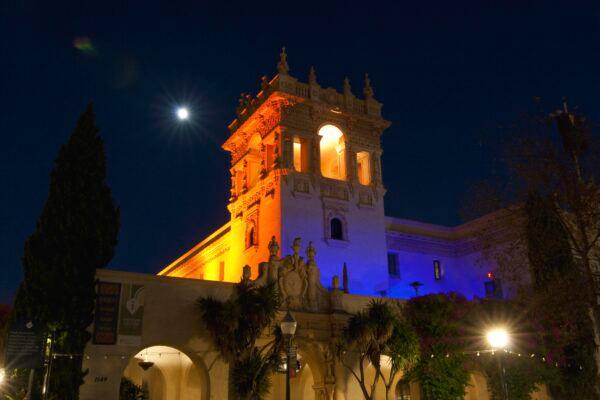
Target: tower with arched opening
(305, 161)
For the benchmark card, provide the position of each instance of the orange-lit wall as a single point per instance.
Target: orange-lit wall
(203, 260)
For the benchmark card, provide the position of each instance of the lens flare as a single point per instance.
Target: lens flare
(84, 45)
(183, 113)
(498, 338)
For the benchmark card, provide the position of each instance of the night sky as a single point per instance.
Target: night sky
(449, 79)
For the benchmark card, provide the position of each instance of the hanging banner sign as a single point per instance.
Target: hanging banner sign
(107, 313)
(24, 346)
(131, 314)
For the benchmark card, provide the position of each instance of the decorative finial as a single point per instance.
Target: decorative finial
(273, 247)
(283, 67)
(264, 82)
(296, 244)
(312, 76)
(368, 90)
(241, 104)
(345, 279)
(347, 88)
(565, 106)
(246, 272)
(335, 282)
(311, 252)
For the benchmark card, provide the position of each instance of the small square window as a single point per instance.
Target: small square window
(437, 270)
(393, 267)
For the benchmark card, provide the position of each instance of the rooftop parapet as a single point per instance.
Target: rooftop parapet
(312, 91)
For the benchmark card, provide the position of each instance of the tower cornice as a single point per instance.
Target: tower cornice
(311, 93)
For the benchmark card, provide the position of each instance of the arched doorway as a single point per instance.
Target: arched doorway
(477, 388)
(166, 374)
(307, 381)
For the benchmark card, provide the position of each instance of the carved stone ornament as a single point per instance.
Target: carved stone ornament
(298, 281)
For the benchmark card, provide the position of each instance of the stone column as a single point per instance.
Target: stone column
(245, 177)
(288, 151)
(234, 189)
(315, 163)
(376, 169)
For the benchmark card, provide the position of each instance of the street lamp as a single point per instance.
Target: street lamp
(288, 328)
(499, 339)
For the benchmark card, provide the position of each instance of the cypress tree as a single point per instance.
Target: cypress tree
(76, 234)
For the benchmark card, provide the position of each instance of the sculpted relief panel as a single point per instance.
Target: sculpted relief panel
(298, 280)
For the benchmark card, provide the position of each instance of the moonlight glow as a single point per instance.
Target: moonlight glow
(183, 113)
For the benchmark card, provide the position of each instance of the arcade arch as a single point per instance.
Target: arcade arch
(167, 374)
(309, 381)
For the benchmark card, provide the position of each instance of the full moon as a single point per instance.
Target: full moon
(183, 113)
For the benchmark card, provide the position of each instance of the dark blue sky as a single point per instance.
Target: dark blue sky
(448, 78)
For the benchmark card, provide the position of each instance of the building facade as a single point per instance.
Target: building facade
(306, 162)
(156, 340)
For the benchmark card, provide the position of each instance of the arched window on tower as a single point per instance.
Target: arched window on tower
(251, 236)
(336, 229)
(333, 152)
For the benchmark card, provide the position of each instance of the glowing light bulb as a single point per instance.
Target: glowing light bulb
(498, 338)
(183, 113)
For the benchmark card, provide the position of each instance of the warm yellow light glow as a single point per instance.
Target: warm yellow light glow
(297, 155)
(498, 338)
(2, 375)
(363, 168)
(333, 152)
(385, 361)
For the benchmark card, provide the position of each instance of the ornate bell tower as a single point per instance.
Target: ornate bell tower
(305, 162)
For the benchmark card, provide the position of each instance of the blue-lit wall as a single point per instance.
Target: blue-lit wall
(458, 274)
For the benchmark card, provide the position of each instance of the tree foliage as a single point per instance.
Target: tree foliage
(76, 234)
(564, 318)
(523, 372)
(378, 333)
(438, 320)
(550, 241)
(5, 311)
(130, 391)
(235, 326)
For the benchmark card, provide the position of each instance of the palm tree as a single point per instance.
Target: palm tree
(234, 327)
(378, 333)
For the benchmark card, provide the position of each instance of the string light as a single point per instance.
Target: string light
(477, 353)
